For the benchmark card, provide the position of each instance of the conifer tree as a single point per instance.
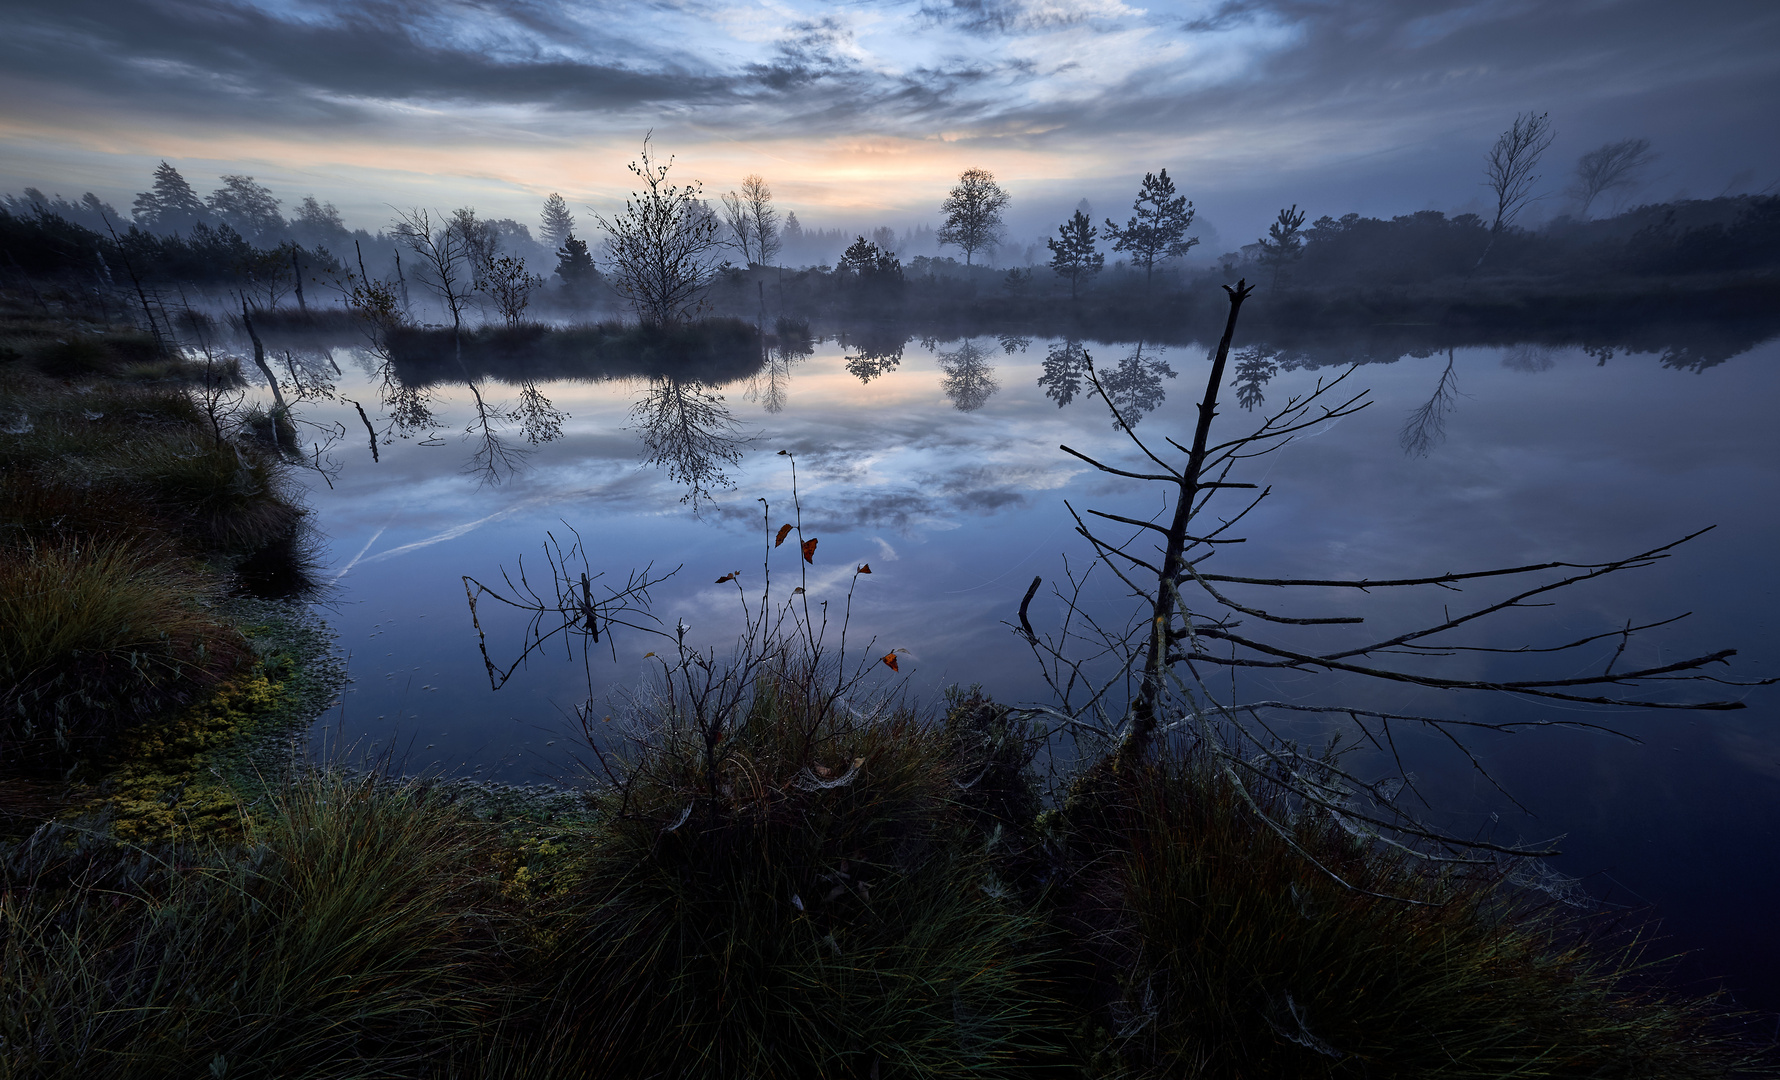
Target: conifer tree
(1072, 254)
(171, 205)
(1158, 229)
(558, 223)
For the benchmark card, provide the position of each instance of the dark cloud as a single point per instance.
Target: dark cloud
(810, 52)
(215, 56)
(1395, 98)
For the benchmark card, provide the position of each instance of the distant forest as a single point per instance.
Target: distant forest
(1690, 260)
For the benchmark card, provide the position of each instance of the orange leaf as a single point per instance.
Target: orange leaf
(865, 569)
(889, 661)
(784, 531)
(809, 550)
(727, 577)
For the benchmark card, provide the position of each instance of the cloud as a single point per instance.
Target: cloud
(1253, 98)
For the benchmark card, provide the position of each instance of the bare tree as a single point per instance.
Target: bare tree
(973, 212)
(757, 198)
(445, 259)
(1508, 170)
(1426, 427)
(1128, 686)
(1615, 165)
(740, 222)
(663, 248)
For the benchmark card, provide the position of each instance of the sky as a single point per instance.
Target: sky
(860, 114)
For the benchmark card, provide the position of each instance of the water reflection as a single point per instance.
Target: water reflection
(968, 377)
(873, 351)
(788, 344)
(1426, 426)
(688, 430)
(1133, 386)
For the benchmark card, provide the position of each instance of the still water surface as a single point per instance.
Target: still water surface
(943, 473)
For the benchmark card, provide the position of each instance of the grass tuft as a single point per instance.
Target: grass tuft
(827, 912)
(1212, 948)
(97, 636)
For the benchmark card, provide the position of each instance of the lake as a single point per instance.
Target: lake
(940, 468)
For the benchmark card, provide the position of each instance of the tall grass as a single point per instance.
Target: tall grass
(1218, 950)
(819, 907)
(350, 939)
(97, 635)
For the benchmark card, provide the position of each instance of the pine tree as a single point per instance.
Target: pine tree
(558, 224)
(1284, 242)
(575, 267)
(248, 208)
(171, 205)
(1159, 228)
(1072, 254)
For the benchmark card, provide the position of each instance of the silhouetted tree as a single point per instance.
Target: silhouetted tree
(557, 225)
(1158, 227)
(575, 267)
(663, 248)
(316, 223)
(1615, 165)
(973, 212)
(740, 225)
(247, 207)
(444, 254)
(171, 205)
(870, 263)
(1284, 243)
(1508, 169)
(753, 223)
(508, 283)
(1072, 254)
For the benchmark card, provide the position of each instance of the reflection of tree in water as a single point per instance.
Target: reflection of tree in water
(1530, 357)
(1426, 426)
(1254, 366)
(688, 430)
(1133, 386)
(788, 344)
(494, 459)
(969, 379)
(1013, 343)
(1065, 367)
(876, 351)
(539, 418)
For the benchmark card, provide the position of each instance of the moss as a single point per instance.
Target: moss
(159, 786)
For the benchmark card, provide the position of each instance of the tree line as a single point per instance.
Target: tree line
(663, 252)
